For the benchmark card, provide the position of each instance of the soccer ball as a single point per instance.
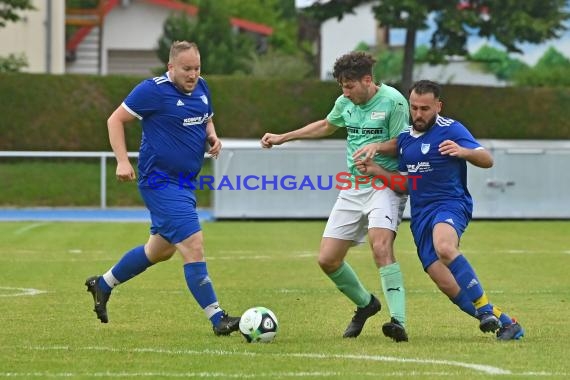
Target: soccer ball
(258, 324)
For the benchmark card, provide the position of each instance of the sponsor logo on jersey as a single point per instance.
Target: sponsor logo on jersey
(365, 131)
(197, 120)
(378, 115)
(420, 167)
(179, 103)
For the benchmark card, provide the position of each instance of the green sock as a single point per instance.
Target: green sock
(347, 282)
(394, 292)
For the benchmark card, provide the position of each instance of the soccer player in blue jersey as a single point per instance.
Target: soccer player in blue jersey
(373, 116)
(435, 151)
(176, 115)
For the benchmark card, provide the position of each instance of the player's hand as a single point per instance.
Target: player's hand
(366, 152)
(215, 146)
(270, 139)
(451, 148)
(364, 166)
(360, 166)
(125, 172)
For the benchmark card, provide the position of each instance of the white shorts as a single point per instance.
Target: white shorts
(355, 211)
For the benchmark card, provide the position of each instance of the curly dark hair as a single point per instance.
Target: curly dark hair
(353, 66)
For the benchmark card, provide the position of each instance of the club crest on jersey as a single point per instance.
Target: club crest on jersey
(425, 148)
(204, 99)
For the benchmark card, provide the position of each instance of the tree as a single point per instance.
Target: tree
(283, 43)
(177, 27)
(9, 10)
(13, 63)
(222, 51)
(498, 62)
(510, 22)
(280, 15)
(552, 70)
(552, 58)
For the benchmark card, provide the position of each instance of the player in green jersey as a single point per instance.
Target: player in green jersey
(373, 116)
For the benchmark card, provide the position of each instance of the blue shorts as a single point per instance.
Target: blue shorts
(422, 230)
(172, 212)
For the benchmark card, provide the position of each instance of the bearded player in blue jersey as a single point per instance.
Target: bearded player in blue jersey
(434, 151)
(176, 116)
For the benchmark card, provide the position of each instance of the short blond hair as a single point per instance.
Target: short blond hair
(178, 47)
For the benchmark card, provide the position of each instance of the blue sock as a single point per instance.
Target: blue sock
(464, 303)
(131, 264)
(201, 287)
(503, 317)
(469, 283)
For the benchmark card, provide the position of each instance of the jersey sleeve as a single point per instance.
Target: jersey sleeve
(335, 116)
(399, 119)
(463, 137)
(401, 165)
(144, 99)
(208, 96)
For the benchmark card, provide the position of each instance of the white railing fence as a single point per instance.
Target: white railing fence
(55, 154)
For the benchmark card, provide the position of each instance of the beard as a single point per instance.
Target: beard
(421, 126)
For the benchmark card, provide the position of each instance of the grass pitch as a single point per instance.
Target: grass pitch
(157, 331)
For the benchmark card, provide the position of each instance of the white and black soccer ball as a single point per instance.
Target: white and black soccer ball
(258, 324)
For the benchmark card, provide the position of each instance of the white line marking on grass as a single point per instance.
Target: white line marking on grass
(477, 367)
(29, 227)
(270, 375)
(512, 251)
(17, 292)
(236, 251)
(487, 369)
(437, 291)
(256, 257)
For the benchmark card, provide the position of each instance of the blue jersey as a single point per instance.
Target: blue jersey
(173, 127)
(440, 179)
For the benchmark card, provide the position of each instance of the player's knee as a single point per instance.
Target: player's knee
(446, 251)
(328, 265)
(157, 256)
(383, 251)
(169, 252)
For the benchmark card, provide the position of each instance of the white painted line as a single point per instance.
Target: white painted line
(280, 254)
(29, 227)
(18, 292)
(269, 375)
(38, 251)
(256, 257)
(513, 251)
(486, 369)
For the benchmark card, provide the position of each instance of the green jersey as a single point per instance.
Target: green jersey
(381, 119)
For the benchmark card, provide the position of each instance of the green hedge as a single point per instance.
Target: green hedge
(69, 112)
(511, 112)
